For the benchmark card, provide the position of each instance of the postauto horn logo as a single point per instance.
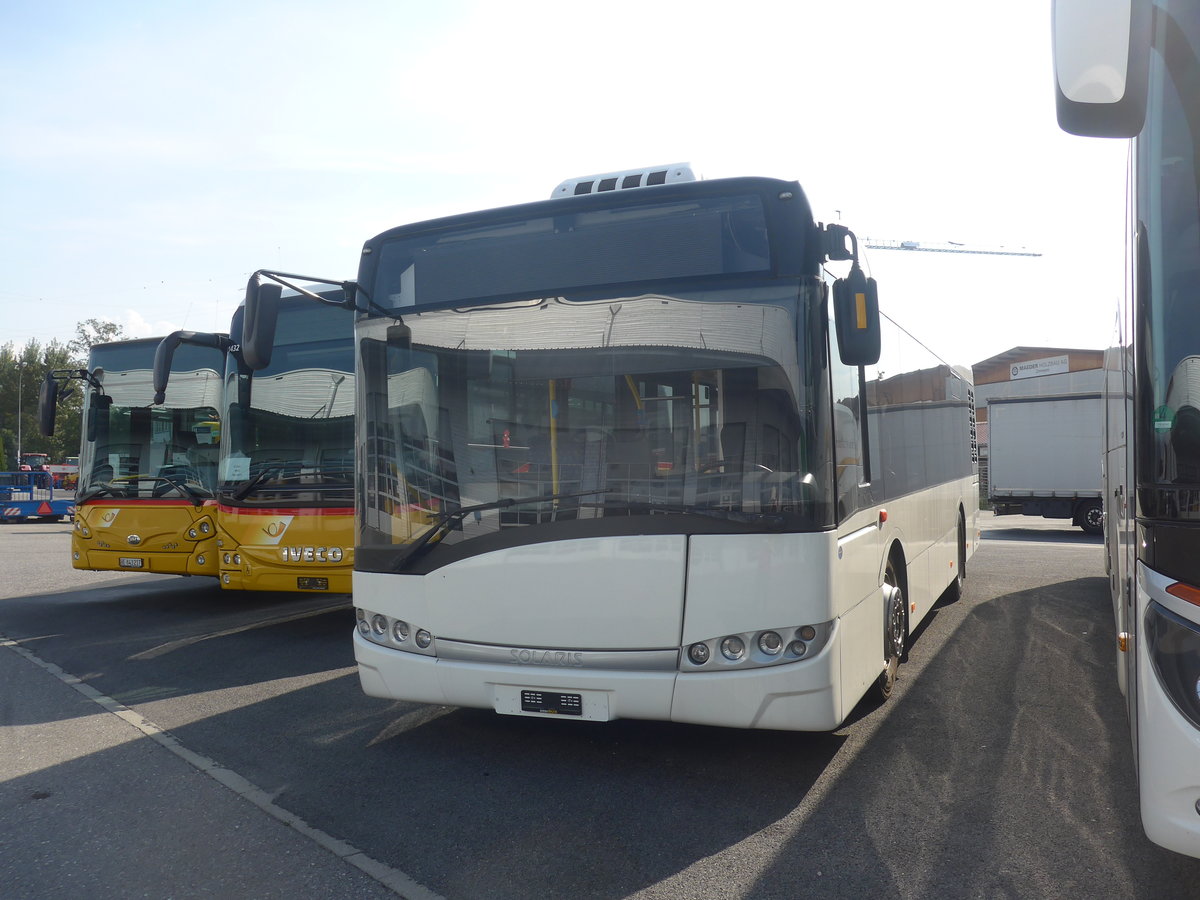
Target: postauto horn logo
(275, 528)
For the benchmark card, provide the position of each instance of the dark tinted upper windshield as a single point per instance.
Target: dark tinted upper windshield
(1169, 256)
(703, 237)
(138, 356)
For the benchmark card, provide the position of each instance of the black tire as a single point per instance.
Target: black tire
(1091, 518)
(955, 590)
(895, 633)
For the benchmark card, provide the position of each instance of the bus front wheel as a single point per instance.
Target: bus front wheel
(895, 632)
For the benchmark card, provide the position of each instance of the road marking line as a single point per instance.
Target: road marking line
(171, 646)
(404, 885)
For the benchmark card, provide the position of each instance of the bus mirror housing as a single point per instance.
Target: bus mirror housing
(856, 312)
(258, 324)
(1101, 66)
(399, 337)
(47, 404)
(164, 355)
(99, 401)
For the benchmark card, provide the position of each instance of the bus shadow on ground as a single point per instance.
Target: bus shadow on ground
(1005, 770)
(1042, 535)
(517, 807)
(173, 637)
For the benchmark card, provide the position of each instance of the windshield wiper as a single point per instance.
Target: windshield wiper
(769, 520)
(187, 490)
(97, 490)
(122, 490)
(440, 525)
(334, 478)
(246, 489)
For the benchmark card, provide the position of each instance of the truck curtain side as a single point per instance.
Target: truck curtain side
(1044, 458)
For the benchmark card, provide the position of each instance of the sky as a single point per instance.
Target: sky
(153, 155)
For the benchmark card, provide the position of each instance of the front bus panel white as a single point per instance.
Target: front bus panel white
(736, 584)
(1168, 744)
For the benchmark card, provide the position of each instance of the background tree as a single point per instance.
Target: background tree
(21, 375)
(90, 332)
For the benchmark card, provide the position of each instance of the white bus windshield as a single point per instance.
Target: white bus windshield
(142, 450)
(562, 411)
(290, 426)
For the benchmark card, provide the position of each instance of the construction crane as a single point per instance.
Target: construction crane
(947, 247)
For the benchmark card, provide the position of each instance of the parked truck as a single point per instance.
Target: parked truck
(1044, 458)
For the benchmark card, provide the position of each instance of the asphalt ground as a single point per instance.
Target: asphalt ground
(222, 749)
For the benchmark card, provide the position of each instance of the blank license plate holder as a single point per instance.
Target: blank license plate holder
(524, 700)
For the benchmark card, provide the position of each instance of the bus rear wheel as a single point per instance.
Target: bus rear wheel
(895, 632)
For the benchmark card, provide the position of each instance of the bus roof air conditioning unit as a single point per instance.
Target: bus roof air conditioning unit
(630, 178)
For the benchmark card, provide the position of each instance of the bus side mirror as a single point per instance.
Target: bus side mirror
(47, 404)
(164, 355)
(856, 313)
(258, 325)
(1101, 66)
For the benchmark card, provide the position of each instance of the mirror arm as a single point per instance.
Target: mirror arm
(348, 287)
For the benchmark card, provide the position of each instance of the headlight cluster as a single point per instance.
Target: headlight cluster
(394, 633)
(1174, 645)
(754, 649)
(231, 559)
(81, 529)
(200, 530)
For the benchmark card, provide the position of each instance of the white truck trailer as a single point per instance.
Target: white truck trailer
(1044, 457)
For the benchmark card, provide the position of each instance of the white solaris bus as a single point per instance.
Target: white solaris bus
(615, 459)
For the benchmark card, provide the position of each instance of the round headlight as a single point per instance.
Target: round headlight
(400, 631)
(770, 643)
(363, 628)
(424, 638)
(360, 614)
(225, 578)
(807, 633)
(237, 559)
(200, 560)
(733, 648)
(698, 653)
(205, 528)
(797, 648)
(226, 558)
(192, 533)
(76, 554)
(378, 624)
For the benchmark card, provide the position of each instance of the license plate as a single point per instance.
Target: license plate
(131, 562)
(552, 703)
(312, 584)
